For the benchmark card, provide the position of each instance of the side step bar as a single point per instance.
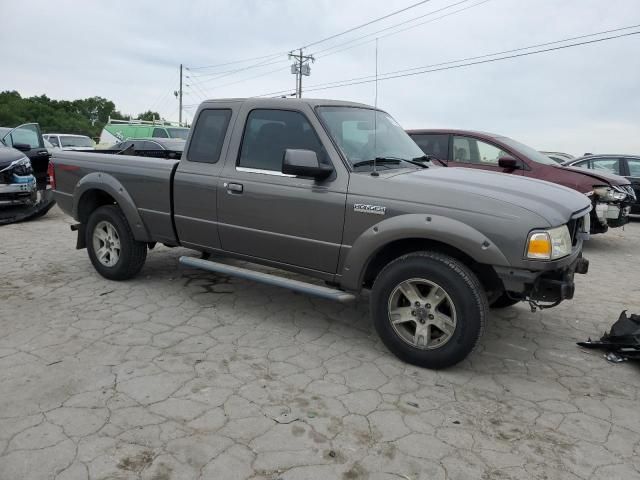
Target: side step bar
(296, 285)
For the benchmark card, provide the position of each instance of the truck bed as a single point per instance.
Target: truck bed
(147, 180)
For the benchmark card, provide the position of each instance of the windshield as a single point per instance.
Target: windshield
(68, 141)
(527, 151)
(364, 134)
(182, 133)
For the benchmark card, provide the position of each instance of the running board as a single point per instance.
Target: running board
(295, 285)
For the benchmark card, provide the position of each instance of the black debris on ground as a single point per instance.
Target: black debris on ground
(623, 340)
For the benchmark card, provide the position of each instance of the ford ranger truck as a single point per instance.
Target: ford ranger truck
(337, 192)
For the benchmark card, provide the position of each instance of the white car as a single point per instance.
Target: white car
(65, 141)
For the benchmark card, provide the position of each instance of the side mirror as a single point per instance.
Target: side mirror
(23, 147)
(304, 163)
(509, 163)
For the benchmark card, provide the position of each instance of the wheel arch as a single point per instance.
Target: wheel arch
(398, 236)
(98, 189)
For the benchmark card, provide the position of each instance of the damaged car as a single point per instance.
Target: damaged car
(611, 195)
(17, 183)
(24, 174)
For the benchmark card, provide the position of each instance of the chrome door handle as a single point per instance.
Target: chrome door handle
(234, 187)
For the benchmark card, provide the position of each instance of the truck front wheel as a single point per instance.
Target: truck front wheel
(113, 251)
(429, 309)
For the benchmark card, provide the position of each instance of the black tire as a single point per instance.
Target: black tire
(463, 289)
(132, 254)
(504, 301)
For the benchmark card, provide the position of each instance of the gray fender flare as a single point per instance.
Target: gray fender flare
(109, 184)
(428, 227)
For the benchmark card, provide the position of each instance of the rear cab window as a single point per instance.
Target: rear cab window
(208, 136)
(160, 133)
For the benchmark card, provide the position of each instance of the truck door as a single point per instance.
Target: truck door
(197, 178)
(271, 216)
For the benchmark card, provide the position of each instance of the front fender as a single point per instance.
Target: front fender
(109, 184)
(416, 226)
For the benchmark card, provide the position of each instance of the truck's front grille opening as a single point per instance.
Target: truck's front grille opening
(577, 225)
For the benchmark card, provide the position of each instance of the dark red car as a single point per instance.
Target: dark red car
(611, 195)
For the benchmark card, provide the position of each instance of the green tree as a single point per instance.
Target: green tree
(83, 116)
(149, 116)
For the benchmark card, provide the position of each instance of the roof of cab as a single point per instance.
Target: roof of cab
(279, 102)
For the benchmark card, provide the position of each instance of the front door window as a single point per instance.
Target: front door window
(607, 165)
(471, 150)
(270, 132)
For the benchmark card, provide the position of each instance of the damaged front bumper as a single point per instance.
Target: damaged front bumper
(611, 207)
(611, 214)
(17, 183)
(550, 286)
(22, 189)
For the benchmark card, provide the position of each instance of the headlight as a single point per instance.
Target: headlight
(21, 162)
(608, 194)
(549, 244)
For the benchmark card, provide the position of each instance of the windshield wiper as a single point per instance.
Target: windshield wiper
(430, 158)
(389, 160)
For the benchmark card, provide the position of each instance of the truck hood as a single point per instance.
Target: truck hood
(555, 203)
(605, 178)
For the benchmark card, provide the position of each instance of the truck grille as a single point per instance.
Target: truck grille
(577, 225)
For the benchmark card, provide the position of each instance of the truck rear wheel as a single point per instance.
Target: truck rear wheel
(113, 251)
(429, 309)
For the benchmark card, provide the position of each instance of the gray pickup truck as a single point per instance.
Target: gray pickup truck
(336, 191)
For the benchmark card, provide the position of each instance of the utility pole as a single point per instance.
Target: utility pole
(300, 68)
(178, 94)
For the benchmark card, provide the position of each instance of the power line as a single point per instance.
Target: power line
(390, 77)
(446, 7)
(235, 62)
(339, 34)
(555, 42)
(198, 89)
(237, 70)
(229, 72)
(448, 65)
(249, 78)
(192, 91)
(358, 27)
(398, 31)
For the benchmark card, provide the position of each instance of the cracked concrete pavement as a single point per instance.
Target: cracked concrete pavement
(182, 374)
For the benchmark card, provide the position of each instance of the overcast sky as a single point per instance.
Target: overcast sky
(576, 100)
